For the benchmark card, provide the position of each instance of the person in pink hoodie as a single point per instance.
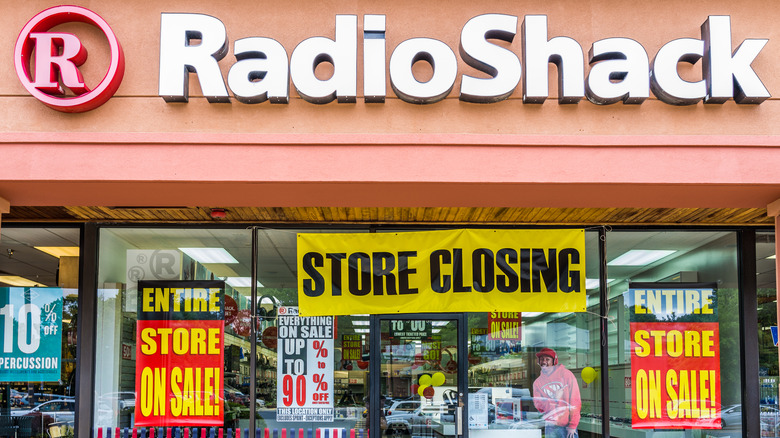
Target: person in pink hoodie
(557, 396)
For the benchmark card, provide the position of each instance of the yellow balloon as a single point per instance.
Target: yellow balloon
(438, 379)
(425, 380)
(421, 390)
(588, 374)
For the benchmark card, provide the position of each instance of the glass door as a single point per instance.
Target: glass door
(420, 381)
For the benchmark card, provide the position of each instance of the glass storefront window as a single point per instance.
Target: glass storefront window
(511, 393)
(130, 255)
(495, 366)
(39, 279)
(767, 322)
(674, 344)
(277, 289)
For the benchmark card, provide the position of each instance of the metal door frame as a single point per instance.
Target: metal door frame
(376, 355)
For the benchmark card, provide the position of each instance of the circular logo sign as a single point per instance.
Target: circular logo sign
(57, 57)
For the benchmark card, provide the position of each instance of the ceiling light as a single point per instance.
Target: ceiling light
(530, 314)
(14, 280)
(59, 251)
(640, 257)
(241, 282)
(362, 330)
(209, 255)
(772, 257)
(360, 322)
(592, 283)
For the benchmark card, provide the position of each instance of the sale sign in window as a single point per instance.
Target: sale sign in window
(179, 353)
(304, 390)
(504, 326)
(31, 321)
(675, 356)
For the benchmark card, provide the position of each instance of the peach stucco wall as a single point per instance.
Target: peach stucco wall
(139, 150)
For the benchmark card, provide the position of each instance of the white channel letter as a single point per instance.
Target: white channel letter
(619, 72)
(341, 52)
(261, 71)
(441, 58)
(501, 64)
(538, 52)
(374, 64)
(178, 57)
(730, 75)
(665, 80)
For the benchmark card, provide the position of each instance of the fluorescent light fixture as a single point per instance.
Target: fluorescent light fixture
(640, 257)
(440, 323)
(360, 322)
(241, 282)
(435, 330)
(530, 314)
(772, 257)
(592, 283)
(362, 330)
(209, 255)
(59, 251)
(15, 280)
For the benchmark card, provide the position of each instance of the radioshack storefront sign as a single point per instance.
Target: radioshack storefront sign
(56, 56)
(180, 358)
(620, 68)
(47, 63)
(442, 271)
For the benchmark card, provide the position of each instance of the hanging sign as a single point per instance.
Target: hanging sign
(304, 391)
(31, 321)
(504, 326)
(180, 363)
(675, 356)
(442, 271)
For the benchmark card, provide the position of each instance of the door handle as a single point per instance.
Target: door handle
(459, 421)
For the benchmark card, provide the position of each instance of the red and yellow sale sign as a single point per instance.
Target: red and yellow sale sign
(504, 326)
(675, 358)
(179, 353)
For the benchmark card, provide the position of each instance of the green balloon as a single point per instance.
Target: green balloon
(421, 390)
(438, 379)
(425, 380)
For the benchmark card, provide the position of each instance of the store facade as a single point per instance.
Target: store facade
(407, 210)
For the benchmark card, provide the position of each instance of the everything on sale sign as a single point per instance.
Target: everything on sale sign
(179, 354)
(304, 392)
(675, 356)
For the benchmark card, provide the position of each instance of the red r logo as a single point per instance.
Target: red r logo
(58, 56)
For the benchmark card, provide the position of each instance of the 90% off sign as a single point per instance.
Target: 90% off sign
(305, 369)
(294, 390)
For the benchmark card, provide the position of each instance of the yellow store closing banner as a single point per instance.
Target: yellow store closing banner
(442, 271)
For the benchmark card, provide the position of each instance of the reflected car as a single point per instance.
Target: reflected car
(731, 417)
(28, 400)
(123, 399)
(59, 411)
(233, 395)
(402, 407)
(421, 421)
